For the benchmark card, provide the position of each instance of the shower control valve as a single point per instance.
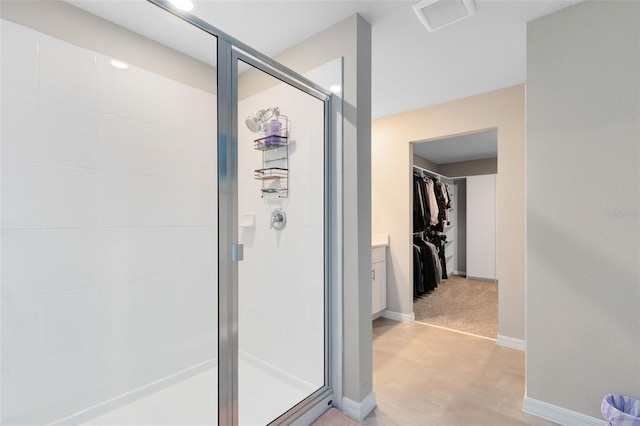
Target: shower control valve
(278, 219)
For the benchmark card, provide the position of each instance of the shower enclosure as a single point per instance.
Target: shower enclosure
(162, 263)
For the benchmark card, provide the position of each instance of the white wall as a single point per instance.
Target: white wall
(481, 227)
(583, 199)
(109, 232)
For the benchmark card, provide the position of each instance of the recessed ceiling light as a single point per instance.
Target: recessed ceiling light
(335, 88)
(119, 64)
(185, 5)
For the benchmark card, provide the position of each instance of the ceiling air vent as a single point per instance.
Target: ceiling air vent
(436, 14)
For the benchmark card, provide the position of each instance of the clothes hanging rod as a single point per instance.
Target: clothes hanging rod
(434, 174)
(451, 178)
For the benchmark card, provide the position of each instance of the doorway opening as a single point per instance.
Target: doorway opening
(455, 277)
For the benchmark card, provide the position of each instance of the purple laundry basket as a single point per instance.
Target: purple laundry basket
(621, 410)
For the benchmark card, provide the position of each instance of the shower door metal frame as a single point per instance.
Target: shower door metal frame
(229, 51)
(325, 392)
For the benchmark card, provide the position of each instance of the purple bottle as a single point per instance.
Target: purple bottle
(273, 129)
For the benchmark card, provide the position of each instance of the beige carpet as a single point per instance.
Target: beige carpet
(334, 417)
(461, 304)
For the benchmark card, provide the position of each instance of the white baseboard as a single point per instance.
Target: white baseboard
(558, 414)
(511, 342)
(489, 280)
(398, 316)
(359, 410)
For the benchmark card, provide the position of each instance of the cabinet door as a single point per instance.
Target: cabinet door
(375, 289)
(379, 287)
(381, 277)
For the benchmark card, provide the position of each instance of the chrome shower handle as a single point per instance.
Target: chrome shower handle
(278, 219)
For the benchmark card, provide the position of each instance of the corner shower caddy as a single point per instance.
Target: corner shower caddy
(274, 173)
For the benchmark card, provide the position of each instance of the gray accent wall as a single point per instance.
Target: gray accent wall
(425, 164)
(485, 166)
(583, 199)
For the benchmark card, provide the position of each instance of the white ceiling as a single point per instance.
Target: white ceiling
(459, 148)
(411, 67)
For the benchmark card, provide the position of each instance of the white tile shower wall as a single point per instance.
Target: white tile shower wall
(281, 317)
(109, 241)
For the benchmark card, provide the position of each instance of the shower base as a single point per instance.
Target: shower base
(264, 395)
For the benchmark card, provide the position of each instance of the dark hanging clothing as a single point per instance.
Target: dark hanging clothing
(418, 274)
(441, 255)
(426, 267)
(442, 206)
(420, 206)
(431, 202)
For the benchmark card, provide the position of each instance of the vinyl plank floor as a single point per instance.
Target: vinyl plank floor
(424, 375)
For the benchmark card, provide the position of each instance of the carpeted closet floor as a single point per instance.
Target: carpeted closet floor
(461, 304)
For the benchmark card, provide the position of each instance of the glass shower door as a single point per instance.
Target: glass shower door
(281, 291)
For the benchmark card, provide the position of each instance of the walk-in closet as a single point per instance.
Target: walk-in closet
(454, 233)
